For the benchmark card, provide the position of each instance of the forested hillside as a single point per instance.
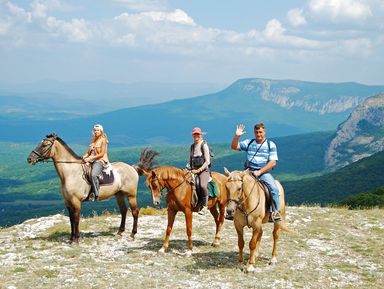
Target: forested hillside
(361, 176)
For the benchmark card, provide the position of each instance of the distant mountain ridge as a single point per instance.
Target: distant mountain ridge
(310, 96)
(360, 136)
(286, 106)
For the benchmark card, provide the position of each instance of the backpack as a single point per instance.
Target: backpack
(199, 161)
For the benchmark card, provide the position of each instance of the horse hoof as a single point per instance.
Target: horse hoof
(74, 242)
(132, 236)
(273, 261)
(188, 253)
(215, 243)
(250, 268)
(162, 250)
(119, 233)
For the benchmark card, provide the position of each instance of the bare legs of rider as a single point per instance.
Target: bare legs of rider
(97, 168)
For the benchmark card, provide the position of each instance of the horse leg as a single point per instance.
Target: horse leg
(123, 211)
(70, 213)
(135, 214)
(254, 245)
(171, 220)
(276, 231)
(219, 220)
(240, 241)
(188, 221)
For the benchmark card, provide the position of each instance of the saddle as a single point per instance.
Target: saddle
(105, 178)
(197, 192)
(268, 195)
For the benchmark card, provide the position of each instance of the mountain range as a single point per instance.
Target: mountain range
(360, 136)
(287, 107)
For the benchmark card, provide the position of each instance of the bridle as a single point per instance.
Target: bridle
(243, 199)
(169, 188)
(44, 155)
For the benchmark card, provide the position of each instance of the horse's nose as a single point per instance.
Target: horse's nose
(29, 160)
(156, 202)
(229, 214)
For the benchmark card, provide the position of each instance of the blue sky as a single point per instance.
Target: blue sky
(191, 41)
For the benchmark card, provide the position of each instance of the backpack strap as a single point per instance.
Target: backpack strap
(192, 148)
(202, 148)
(252, 140)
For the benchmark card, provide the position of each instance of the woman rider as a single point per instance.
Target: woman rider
(97, 155)
(200, 160)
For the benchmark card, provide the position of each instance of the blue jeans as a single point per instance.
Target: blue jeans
(268, 178)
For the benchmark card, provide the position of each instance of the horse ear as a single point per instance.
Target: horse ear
(228, 173)
(243, 173)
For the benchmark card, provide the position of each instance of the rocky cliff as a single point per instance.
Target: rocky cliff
(320, 98)
(360, 136)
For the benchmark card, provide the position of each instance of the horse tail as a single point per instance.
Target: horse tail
(284, 228)
(147, 161)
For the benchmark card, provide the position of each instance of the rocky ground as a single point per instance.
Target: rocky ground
(329, 248)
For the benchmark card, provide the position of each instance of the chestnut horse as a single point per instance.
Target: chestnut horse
(247, 207)
(74, 187)
(177, 182)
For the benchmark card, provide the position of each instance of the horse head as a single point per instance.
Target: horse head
(154, 183)
(234, 188)
(43, 150)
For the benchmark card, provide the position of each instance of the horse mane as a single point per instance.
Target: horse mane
(66, 146)
(169, 172)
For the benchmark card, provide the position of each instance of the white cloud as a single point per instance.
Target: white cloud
(76, 30)
(340, 10)
(273, 29)
(178, 16)
(296, 17)
(19, 12)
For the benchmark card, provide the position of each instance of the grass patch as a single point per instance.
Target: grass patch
(151, 211)
(46, 273)
(19, 270)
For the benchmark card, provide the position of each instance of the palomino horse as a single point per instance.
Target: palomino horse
(177, 182)
(74, 187)
(247, 207)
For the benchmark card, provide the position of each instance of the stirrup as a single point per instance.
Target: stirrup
(276, 217)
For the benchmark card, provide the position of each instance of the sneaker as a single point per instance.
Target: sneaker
(276, 217)
(203, 211)
(91, 197)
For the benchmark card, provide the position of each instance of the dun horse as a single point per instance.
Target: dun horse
(179, 188)
(246, 205)
(74, 187)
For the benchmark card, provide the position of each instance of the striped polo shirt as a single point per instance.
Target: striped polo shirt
(263, 155)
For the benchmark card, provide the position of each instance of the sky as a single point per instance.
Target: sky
(210, 41)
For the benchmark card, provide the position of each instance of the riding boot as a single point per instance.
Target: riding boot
(95, 186)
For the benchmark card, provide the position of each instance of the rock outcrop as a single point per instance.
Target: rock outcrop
(360, 136)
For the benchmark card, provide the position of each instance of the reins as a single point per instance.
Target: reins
(171, 188)
(238, 203)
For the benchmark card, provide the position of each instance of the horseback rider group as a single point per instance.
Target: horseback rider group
(261, 157)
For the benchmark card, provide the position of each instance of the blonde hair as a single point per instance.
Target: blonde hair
(102, 133)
